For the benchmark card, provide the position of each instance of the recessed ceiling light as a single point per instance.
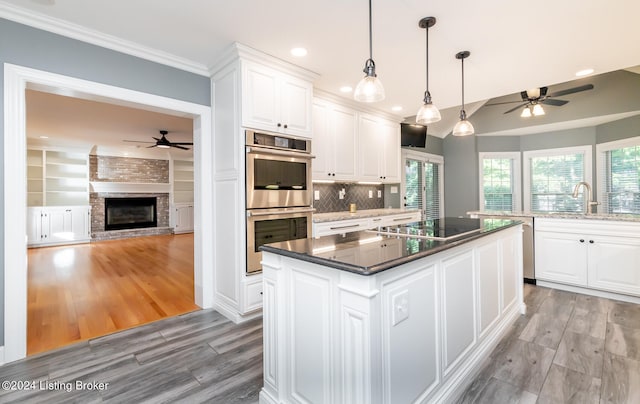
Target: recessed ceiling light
(44, 137)
(299, 52)
(584, 72)
(346, 89)
(396, 108)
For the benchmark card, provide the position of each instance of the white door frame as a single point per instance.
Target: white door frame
(16, 80)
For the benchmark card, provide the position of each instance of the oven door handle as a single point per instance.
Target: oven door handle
(306, 210)
(264, 150)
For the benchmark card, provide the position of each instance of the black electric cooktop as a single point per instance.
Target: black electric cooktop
(443, 229)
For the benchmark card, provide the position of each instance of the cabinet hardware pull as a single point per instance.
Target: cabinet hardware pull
(591, 241)
(285, 126)
(582, 240)
(279, 124)
(401, 218)
(344, 227)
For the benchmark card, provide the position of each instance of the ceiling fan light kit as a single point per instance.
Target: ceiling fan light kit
(428, 113)
(370, 88)
(533, 99)
(463, 127)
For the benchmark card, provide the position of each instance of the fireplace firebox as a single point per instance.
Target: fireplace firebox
(130, 213)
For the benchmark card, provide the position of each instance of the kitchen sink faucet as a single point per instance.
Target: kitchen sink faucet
(590, 203)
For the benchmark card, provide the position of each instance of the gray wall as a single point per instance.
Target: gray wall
(26, 46)
(433, 146)
(461, 173)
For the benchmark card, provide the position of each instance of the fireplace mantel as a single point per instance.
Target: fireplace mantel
(129, 187)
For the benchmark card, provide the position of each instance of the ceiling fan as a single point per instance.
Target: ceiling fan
(532, 99)
(163, 142)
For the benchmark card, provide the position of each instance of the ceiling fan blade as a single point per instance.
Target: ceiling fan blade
(572, 90)
(136, 141)
(179, 147)
(183, 143)
(555, 103)
(155, 145)
(158, 140)
(501, 103)
(515, 108)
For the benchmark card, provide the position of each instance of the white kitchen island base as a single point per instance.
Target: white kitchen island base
(416, 332)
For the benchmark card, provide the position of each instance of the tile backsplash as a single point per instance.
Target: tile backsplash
(353, 193)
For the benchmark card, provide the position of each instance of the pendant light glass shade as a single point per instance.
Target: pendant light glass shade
(526, 112)
(538, 110)
(428, 113)
(370, 88)
(463, 127)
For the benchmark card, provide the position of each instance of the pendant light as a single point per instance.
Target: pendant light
(369, 89)
(428, 113)
(463, 127)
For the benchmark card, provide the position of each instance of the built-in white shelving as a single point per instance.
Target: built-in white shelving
(182, 181)
(57, 178)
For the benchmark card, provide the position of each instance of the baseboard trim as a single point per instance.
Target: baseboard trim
(591, 292)
(1, 355)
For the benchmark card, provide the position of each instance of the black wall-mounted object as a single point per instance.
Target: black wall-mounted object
(412, 135)
(130, 213)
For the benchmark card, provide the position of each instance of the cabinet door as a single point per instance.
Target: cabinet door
(34, 226)
(81, 223)
(370, 145)
(260, 107)
(391, 147)
(295, 106)
(613, 264)
(322, 144)
(561, 257)
(184, 219)
(343, 124)
(60, 224)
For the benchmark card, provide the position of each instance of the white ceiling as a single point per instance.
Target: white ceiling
(514, 45)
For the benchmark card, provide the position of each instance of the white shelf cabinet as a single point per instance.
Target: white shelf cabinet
(275, 101)
(58, 225)
(594, 254)
(183, 218)
(182, 181)
(334, 141)
(379, 150)
(57, 178)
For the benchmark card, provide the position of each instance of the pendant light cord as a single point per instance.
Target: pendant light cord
(462, 60)
(427, 64)
(370, 34)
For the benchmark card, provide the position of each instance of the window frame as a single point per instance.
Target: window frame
(586, 150)
(601, 170)
(516, 177)
(424, 158)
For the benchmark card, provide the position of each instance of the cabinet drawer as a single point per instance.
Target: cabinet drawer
(339, 227)
(253, 298)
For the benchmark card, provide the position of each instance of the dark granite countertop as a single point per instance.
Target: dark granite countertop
(368, 252)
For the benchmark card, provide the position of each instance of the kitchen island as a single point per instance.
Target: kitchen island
(393, 315)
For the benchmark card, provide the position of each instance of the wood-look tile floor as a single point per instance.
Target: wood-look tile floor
(82, 291)
(568, 348)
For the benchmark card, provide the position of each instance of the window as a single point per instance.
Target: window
(619, 176)
(500, 181)
(551, 175)
(423, 183)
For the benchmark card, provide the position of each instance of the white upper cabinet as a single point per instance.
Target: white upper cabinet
(379, 150)
(334, 141)
(275, 101)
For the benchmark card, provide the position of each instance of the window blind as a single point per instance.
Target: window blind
(422, 187)
(552, 179)
(621, 174)
(497, 184)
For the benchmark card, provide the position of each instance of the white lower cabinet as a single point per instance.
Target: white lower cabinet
(183, 218)
(595, 254)
(58, 225)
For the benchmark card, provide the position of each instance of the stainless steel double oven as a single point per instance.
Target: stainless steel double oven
(278, 194)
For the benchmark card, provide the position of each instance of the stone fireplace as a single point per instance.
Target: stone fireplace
(129, 197)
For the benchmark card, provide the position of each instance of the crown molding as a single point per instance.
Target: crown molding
(84, 34)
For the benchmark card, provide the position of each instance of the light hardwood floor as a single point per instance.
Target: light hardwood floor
(83, 291)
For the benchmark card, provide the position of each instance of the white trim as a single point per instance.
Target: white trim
(601, 170)
(1, 355)
(527, 155)
(129, 187)
(84, 34)
(425, 158)
(516, 176)
(16, 80)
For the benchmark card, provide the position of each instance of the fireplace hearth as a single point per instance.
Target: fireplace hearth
(130, 213)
